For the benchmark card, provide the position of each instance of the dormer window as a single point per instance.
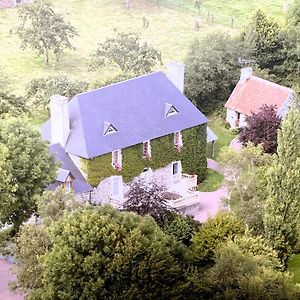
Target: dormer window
(178, 141)
(116, 160)
(147, 150)
(170, 110)
(109, 128)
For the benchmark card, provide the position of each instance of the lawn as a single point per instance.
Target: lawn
(294, 267)
(212, 182)
(218, 125)
(171, 30)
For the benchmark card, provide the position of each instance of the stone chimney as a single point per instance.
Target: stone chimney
(175, 72)
(246, 73)
(60, 122)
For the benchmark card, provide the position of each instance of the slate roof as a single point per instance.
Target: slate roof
(135, 108)
(250, 95)
(67, 166)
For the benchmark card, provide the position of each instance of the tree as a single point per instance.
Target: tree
(32, 168)
(100, 253)
(39, 90)
(211, 70)
(144, 198)
(44, 30)
(282, 211)
(262, 128)
(212, 235)
(10, 103)
(51, 206)
(264, 42)
(247, 182)
(126, 52)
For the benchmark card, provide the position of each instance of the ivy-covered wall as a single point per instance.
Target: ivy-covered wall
(163, 152)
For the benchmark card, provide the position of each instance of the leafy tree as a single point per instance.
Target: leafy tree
(100, 253)
(39, 90)
(211, 235)
(294, 13)
(44, 30)
(211, 70)
(264, 41)
(144, 198)
(282, 211)
(10, 103)
(126, 52)
(242, 275)
(182, 228)
(247, 183)
(32, 168)
(32, 241)
(262, 128)
(53, 205)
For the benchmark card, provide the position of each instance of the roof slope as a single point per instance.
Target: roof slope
(135, 107)
(67, 166)
(250, 95)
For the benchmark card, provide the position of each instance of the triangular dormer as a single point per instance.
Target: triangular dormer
(170, 110)
(109, 128)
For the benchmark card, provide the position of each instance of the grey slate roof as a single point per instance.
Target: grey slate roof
(135, 107)
(67, 167)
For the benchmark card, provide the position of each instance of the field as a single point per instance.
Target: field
(294, 267)
(171, 30)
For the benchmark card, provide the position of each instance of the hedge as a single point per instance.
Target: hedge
(163, 152)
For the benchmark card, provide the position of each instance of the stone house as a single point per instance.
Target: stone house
(250, 93)
(139, 113)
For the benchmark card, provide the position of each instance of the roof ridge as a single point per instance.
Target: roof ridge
(271, 82)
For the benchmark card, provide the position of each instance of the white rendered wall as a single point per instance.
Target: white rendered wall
(231, 117)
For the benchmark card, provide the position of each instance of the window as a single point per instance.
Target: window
(176, 170)
(147, 150)
(108, 128)
(117, 186)
(116, 160)
(170, 110)
(178, 141)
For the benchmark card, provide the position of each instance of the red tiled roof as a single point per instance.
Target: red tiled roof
(250, 95)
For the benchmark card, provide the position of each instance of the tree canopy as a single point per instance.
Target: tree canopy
(128, 53)
(212, 70)
(29, 167)
(262, 128)
(44, 30)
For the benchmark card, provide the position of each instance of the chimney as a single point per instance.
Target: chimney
(60, 122)
(246, 73)
(175, 73)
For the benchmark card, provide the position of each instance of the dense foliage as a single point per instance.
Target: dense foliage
(29, 167)
(39, 90)
(35, 31)
(262, 128)
(212, 70)
(127, 52)
(192, 156)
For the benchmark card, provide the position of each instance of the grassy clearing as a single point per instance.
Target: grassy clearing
(171, 30)
(294, 267)
(212, 182)
(225, 136)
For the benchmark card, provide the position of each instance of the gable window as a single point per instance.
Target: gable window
(170, 110)
(116, 160)
(147, 150)
(109, 128)
(178, 141)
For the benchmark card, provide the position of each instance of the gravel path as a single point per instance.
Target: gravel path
(5, 278)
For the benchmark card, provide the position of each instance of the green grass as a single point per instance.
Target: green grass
(212, 182)
(218, 125)
(294, 267)
(171, 30)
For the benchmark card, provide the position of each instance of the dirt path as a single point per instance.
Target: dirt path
(5, 277)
